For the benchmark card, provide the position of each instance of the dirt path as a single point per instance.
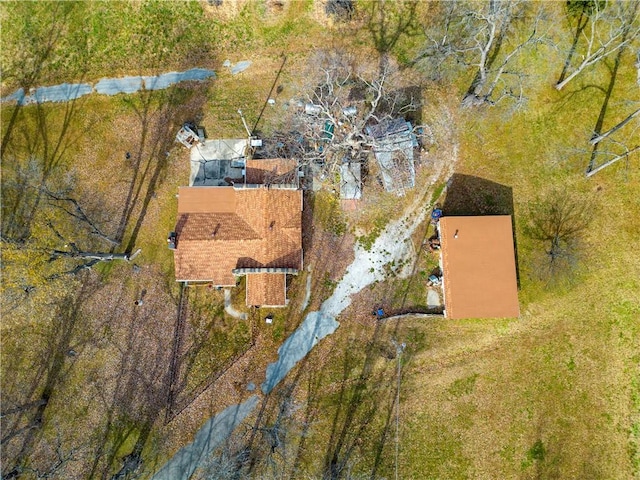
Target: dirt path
(213, 432)
(229, 308)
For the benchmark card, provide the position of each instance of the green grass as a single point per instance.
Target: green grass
(463, 386)
(327, 213)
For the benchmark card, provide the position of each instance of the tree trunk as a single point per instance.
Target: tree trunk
(572, 51)
(91, 255)
(614, 129)
(613, 160)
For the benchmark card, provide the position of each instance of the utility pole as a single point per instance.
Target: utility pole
(399, 350)
(244, 122)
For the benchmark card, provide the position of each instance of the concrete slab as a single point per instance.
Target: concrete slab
(214, 160)
(433, 298)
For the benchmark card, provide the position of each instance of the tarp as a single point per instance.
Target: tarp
(113, 86)
(107, 86)
(55, 93)
(165, 80)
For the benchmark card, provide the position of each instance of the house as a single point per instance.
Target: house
(252, 228)
(478, 266)
(393, 148)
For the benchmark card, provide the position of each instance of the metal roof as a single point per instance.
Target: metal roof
(479, 268)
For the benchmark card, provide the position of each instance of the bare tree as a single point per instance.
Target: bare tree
(613, 26)
(483, 35)
(59, 458)
(65, 240)
(558, 219)
(616, 152)
(73, 208)
(612, 146)
(339, 101)
(580, 11)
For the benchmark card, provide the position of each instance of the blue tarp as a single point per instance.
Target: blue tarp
(17, 95)
(113, 86)
(56, 93)
(240, 67)
(165, 80)
(107, 86)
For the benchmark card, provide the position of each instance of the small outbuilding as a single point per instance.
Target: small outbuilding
(394, 142)
(479, 267)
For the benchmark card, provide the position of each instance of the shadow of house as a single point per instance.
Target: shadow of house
(467, 195)
(475, 196)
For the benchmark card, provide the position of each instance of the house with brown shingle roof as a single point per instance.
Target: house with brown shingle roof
(251, 229)
(478, 267)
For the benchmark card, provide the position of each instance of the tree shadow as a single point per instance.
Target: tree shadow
(583, 8)
(359, 405)
(387, 23)
(22, 433)
(46, 142)
(180, 394)
(597, 130)
(135, 402)
(159, 113)
(39, 49)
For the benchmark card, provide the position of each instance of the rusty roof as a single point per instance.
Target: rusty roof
(263, 230)
(266, 289)
(206, 200)
(276, 170)
(479, 268)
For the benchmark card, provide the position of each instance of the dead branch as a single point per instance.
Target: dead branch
(76, 212)
(614, 129)
(613, 26)
(625, 155)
